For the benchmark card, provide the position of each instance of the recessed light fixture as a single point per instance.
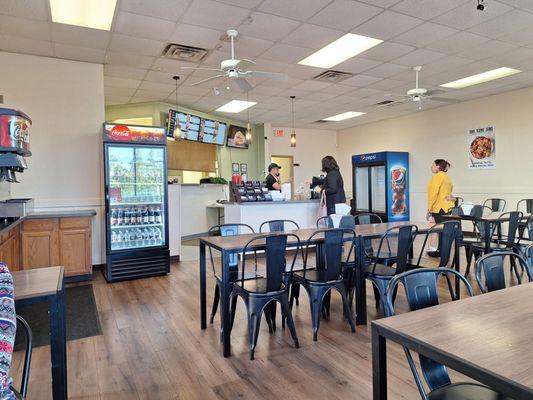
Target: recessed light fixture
(340, 50)
(343, 116)
(482, 78)
(96, 14)
(236, 106)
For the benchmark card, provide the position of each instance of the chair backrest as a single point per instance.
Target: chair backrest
(495, 204)
(346, 222)
(449, 232)
(529, 227)
(511, 220)
(527, 204)
(229, 230)
(479, 211)
(490, 269)
(404, 237)
(278, 225)
(528, 253)
(421, 289)
(367, 218)
(333, 250)
(457, 211)
(458, 201)
(275, 246)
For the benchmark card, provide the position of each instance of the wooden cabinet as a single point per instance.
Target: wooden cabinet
(10, 248)
(58, 241)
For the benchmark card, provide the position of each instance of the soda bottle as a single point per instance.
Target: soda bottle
(120, 216)
(145, 215)
(157, 215)
(120, 239)
(157, 236)
(127, 216)
(151, 217)
(113, 238)
(113, 216)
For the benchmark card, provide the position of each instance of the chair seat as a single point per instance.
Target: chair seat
(468, 241)
(466, 391)
(314, 275)
(258, 286)
(493, 246)
(380, 270)
(235, 275)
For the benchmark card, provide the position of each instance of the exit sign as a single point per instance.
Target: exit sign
(279, 132)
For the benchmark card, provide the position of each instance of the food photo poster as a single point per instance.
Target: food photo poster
(481, 148)
(237, 137)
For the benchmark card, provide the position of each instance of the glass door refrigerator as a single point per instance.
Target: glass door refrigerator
(135, 202)
(381, 185)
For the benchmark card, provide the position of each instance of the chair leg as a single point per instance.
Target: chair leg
(286, 312)
(326, 306)
(216, 300)
(469, 254)
(316, 300)
(268, 319)
(377, 296)
(347, 312)
(295, 294)
(233, 310)
(254, 324)
(380, 289)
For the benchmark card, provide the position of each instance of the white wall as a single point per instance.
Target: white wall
(196, 218)
(311, 146)
(441, 133)
(65, 100)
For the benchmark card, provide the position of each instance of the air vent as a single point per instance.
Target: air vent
(184, 53)
(332, 76)
(388, 103)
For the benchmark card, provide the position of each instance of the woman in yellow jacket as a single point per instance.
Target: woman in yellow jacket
(440, 198)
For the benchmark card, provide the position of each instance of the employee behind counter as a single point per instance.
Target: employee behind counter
(272, 179)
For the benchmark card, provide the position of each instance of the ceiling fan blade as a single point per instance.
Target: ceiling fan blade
(267, 75)
(434, 92)
(207, 80)
(243, 84)
(243, 64)
(444, 100)
(203, 68)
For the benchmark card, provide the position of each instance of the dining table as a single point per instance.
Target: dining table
(228, 245)
(488, 338)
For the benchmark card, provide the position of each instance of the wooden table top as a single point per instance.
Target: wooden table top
(369, 231)
(37, 282)
(491, 332)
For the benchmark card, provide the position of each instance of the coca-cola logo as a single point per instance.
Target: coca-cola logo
(19, 130)
(120, 132)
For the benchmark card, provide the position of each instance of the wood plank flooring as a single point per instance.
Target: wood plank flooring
(152, 348)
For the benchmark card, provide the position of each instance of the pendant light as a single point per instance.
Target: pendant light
(177, 128)
(248, 128)
(293, 133)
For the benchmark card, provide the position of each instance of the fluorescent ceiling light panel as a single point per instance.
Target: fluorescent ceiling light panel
(340, 50)
(96, 14)
(481, 78)
(343, 116)
(236, 106)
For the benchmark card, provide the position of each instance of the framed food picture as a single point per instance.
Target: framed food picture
(237, 137)
(235, 168)
(481, 148)
(244, 168)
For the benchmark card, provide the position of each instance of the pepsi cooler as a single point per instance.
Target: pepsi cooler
(381, 185)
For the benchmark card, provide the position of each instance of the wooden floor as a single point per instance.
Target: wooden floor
(153, 348)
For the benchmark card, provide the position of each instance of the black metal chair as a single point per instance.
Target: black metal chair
(528, 254)
(525, 205)
(381, 274)
(422, 291)
(258, 293)
(28, 339)
(346, 222)
(367, 218)
(458, 201)
(496, 205)
(490, 269)
(318, 282)
(279, 225)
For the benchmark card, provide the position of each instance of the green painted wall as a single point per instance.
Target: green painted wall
(254, 156)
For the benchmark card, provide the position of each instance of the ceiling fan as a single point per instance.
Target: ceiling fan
(236, 70)
(418, 94)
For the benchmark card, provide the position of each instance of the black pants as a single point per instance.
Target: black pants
(438, 219)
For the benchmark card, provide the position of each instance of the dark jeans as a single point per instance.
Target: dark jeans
(438, 219)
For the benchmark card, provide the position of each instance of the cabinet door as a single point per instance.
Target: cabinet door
(7, 254)
(75, 251)
(39, 249)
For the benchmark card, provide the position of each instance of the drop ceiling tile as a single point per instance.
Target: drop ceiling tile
(386, 84)
(284, 84)
(360, 80)
(312, 36)
(320, 96)
(121, 82)
(419, 57)
(153, 94)
(266, 90)
(487, 50)
(386, 51)
(80, 36)
(197, 36)
(184, 100)
(293, 92)
(424, 34)
(458, 42)
(112, 100)
(444, 64)
(173, 66)
(158, 87)
(514, 57)
(21, 27)
(381, 3)
(143, 26)
(130, 60)
(33, 9)
(26, 46)
(428, 9)
(134, 45)
(246, 47)
(506, 24)
(268, 27)
(466, 16)
(338, 89)
(286, 53)
(387, 70)
(523, 37)
(301, 71)
(124, 72)
(356, 65)
(165, 9)
(214, 15)
(312, 86)
(78, 53)
(242, 3)
(118, 91)
(296, 9)
(387, 25)
(164, 77)
(345, 14)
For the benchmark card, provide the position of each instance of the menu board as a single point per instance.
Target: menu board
(195, 128)
(213, 132)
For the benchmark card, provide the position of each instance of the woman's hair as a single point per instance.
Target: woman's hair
(442, 164)
(329, 164)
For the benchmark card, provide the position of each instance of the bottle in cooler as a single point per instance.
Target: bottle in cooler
(151, 217)
(114, 218)
(157, 236)
(144, 215)
(120, 216)
(157, 215)
(127, 216)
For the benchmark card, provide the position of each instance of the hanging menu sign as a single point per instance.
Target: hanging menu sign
(481, 148)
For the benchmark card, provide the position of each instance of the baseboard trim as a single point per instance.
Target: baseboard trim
(174, 258)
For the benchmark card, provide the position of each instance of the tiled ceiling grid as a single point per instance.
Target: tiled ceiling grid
(450, 38)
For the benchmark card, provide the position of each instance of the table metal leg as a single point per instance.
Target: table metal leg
(224, 304)
(379, 365)
(203, 301)
(360, 284)
(58, 346)
(457, 266)
(487, 236)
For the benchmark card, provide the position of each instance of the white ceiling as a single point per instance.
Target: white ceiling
(449, 37)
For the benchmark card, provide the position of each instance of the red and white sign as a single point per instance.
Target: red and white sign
(136, 134)
(279, 132)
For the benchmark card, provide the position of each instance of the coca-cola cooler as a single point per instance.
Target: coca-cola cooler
(381, 185)
(135, 202)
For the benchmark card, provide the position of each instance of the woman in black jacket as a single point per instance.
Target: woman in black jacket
(333, 184)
